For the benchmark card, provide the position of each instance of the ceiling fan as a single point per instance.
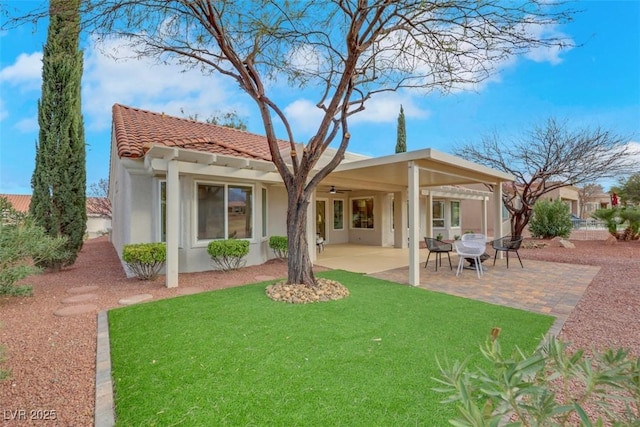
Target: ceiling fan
(333, 190)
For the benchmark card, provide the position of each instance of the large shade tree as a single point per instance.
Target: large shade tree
(59, 176)
(551, 155)
(347, 50)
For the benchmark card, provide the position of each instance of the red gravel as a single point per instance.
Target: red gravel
(52, 359)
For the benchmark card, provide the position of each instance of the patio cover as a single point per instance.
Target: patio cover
(404, 173)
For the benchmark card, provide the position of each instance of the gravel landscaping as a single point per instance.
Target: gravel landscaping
(51, 352)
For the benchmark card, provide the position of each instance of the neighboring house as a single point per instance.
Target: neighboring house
(98, 212)
(187, 183)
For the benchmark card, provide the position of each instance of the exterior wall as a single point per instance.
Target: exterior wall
(120, 196)
(98, 226)
(470, 217)
(137, 215)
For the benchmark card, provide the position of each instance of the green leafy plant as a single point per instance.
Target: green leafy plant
(550, 219)
(279, 245)
(145, 260)
(551, 387)
(23, 247)
(625, 218)
(439, 237)
(228, 254)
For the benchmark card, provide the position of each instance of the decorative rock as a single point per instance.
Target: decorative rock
(325, 290)
(82, 289)
(134, 299)
(611, 240)
(79, 298)
(567, 244)
(72, 310)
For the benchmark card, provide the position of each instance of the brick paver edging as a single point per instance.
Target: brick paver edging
(104, 415)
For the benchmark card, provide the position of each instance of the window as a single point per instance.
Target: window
(264, 212)
(224, 211)
(455, 214)
(362, 213)
(163, 211)
(438, 213)
(338, 214)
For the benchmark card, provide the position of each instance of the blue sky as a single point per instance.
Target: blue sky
(596, 84)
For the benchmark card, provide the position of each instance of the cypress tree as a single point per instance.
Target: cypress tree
(59, 178)
(401, 141)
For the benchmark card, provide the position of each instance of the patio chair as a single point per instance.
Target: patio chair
(507, 244)
(474, 237)
(469, 250)
(439, 248)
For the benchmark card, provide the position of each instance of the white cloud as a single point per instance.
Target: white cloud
(25, 71)
(27, 125)
(144, 84)
(550, 54)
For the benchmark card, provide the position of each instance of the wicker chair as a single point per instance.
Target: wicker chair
(439, 248)
(507, 244)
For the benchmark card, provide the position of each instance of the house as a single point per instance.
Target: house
(186, 183)
(98, 212)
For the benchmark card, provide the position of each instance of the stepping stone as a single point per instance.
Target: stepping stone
(264, 278)
(72, 310)
(134, 299)
(79, 298)
(189, 290)
(82, 289)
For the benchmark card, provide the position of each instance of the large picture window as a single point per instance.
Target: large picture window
(438, 213)
(362, 213)
(224, 211)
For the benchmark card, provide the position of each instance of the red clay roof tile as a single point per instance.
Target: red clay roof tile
(136, 130)
(95, 205)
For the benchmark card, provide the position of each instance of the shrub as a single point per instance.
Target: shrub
(24, 246)
(228, 254)
(279, 245)
(626, 217)
(550, 387)
(145, 260)
(550, 219)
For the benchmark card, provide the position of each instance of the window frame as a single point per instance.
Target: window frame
(440, 218)
(196, 206)
(333, 211)
(452, 224)
(352, 213)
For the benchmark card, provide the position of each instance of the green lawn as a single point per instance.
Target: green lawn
(235, 357)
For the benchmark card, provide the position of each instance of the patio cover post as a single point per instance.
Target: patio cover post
(497, 217)
(173, 223)
(400, 219)
(414, 215)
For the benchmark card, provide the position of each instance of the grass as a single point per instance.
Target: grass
(235, 357)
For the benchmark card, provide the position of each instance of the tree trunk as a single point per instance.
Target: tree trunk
(299, 264)
(519, 221)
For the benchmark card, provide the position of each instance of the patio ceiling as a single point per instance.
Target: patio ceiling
(389, 173)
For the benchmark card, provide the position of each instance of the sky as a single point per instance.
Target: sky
(596, 84)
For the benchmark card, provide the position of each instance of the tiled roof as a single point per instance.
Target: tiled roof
(20, 202)
(137, 130)
(95, 205)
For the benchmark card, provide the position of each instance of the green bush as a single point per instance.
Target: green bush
(228, 254)
(24, 246)
(627, 218)
(550, 219)
(145, 260)
(551, 387)
(279, 245)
